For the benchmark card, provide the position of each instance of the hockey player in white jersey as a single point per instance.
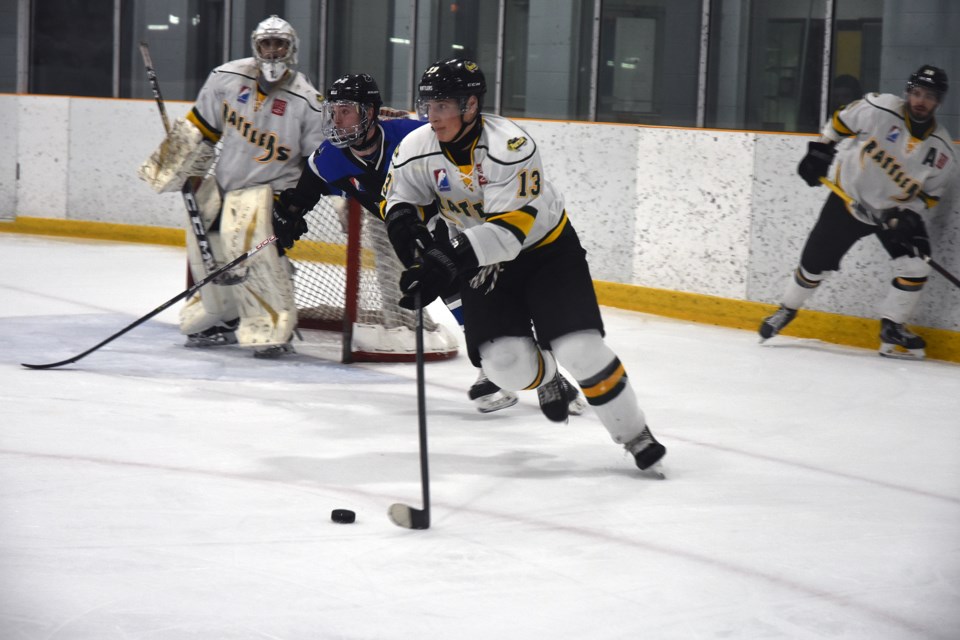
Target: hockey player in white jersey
(896, 161)
(525, 285)
(265, 115)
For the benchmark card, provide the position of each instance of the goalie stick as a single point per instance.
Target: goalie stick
(404, 515)
(846, 197)
(180, 296)
(189, 189)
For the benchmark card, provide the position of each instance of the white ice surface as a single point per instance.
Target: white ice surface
(154, 492)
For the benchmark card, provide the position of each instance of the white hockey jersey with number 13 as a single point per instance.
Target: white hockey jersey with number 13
(884, 165)
(501, 201)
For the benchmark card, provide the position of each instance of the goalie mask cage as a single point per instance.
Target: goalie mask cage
(346, 279)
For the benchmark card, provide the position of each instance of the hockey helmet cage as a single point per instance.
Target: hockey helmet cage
(929, 77)
(453, 78)
(358, 91)
(274, 63)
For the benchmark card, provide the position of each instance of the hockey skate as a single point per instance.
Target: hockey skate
(559, 398)
(488, 397)
(274, 351)
(578, 403)
(772, 325)
(896, 341)
(647, 452)
(219, 335)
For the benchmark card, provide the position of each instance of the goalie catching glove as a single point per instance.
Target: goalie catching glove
(907, 229)
(435, 270)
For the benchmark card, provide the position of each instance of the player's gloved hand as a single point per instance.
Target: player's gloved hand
(289, 210)
(435, 270)
(431, 275)
(816, 163)
(408, 234)
(906, 228)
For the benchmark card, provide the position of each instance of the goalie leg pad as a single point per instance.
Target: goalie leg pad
(213, 303)
(182, 154)
(268, 313)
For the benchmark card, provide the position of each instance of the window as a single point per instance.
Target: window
(375, 37)
(8, 47)
(71, 48)
(765, 65)
(185, 40)
(649, 61)
(547, 59)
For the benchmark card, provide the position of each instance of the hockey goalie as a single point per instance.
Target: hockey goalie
(245, 140)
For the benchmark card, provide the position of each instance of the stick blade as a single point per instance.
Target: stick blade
(49, 365)
(409, 518)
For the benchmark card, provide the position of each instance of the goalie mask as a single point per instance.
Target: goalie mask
(275, 45)
(345, 112)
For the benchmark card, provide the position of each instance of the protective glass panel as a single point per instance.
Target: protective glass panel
(649, 60)
(373, 37)
(546, 59)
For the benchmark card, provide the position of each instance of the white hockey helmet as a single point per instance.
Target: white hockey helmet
(274, 60)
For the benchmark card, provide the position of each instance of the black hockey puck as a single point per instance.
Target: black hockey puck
(343, 516)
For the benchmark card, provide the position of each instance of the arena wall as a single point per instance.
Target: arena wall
(713, 213)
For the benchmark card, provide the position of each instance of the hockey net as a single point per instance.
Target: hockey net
(346, 280)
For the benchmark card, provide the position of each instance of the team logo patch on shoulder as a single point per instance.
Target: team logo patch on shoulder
(942, 161)
(279, 107)
(244, 96)
(893, 134)
(319, 98)
(514, 144)
(441, 180)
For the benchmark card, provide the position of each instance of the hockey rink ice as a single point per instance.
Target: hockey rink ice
(152, 492)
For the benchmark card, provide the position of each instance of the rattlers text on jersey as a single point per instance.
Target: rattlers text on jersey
(502, 201)
(883, 165)
(265, 137)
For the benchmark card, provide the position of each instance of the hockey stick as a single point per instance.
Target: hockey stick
(403, 515)
(180, 296)
(189, 189)
(846, 197)
(154, 84)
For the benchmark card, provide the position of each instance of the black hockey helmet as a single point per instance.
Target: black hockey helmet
(929, 77)
(359, 91)
(453, 78)
(356, 87)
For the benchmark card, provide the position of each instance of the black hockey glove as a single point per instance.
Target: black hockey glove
(907, 229)
(408, 234)
(435, 270)
(816, 163)
(289, 210)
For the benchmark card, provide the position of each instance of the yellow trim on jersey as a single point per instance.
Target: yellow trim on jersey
(930, 201)
(520, 220)
(207, 132)
(555, 233)
(605, 385)
(838, 125)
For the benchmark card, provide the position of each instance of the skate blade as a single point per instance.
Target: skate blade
(654, 471)
(577, 406)
(901, 353)
(489, 404)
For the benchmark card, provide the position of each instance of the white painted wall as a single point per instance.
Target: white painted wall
(720, 213)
